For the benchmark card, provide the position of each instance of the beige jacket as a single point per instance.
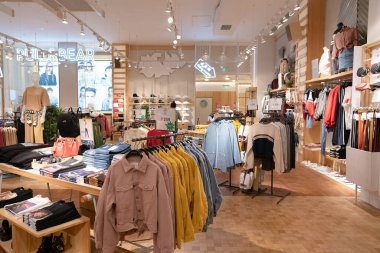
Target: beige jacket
(134, 197)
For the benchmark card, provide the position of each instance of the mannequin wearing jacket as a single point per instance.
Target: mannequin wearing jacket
(34, 103)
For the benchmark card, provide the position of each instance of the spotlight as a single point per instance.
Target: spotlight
(64, 18)
(171, 28)
(178, 37)
(291, 13)
(279, 25)
(129, 65)
(175, 42)
(246, 57)
(82, 30)
(297, 7)
(263, 40)
(284, 19)
(168, 7)
(170, 20)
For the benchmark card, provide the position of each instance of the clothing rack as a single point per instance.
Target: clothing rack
(163, 138)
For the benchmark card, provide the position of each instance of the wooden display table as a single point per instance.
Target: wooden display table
(27, 240)
(34, 174)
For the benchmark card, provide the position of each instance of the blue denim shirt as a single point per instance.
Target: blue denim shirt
(221, 145)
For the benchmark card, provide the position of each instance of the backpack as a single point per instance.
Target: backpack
(68, 124)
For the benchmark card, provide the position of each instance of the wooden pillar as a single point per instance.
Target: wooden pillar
(315, 32)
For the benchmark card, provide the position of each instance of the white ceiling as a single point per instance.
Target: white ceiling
(142, 22)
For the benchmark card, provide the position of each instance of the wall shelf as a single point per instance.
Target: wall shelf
(318, 81)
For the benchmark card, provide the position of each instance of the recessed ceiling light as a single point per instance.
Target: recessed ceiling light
(170, 20)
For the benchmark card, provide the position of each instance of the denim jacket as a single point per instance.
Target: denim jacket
(221, 145)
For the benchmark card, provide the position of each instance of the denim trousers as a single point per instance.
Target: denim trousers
(346, 58)
(323, 138)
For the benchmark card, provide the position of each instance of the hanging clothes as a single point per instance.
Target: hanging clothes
(221, 145)
(105, 126)
(331, 110)
(8, 136)
(341, 133)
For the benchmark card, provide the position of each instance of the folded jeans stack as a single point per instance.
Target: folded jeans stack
(78, 176)
(101, 157)
(26, 206)
(52, 215)
(338, 152)
(96, 179)
(56, 169)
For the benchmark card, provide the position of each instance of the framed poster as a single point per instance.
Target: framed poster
(95, 85)
(86, 131)
(48, 71)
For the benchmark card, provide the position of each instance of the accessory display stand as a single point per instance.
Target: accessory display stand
(25, 239)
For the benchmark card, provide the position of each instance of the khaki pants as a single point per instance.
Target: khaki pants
(33, 134)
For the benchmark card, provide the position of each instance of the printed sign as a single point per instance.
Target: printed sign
(252, 104)
(165, 118)
(86, 131)
(140, 114)
(275, 104)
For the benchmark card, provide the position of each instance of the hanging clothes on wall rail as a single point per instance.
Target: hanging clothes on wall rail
(365, 133)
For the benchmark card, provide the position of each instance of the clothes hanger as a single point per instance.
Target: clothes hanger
(134, 152)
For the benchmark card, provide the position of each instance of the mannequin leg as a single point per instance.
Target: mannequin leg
(29, 135)
(38, 131)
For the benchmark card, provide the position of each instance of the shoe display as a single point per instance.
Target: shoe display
(58, 244)
(46, 245)
(5, 231)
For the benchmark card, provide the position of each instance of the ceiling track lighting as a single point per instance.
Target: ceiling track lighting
(178, 37)
(82, 30)
(64, 18)
(297, 7)
(169, 7)
(170, 20)
(175, 42)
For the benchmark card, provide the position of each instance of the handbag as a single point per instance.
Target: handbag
(68, 124)
(66, 147)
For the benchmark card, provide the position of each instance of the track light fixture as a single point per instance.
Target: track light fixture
(297, 7)
(64, 18)
(178, 36)
(175, 42)
(168, 7)
(82, 30)
(170, 20)
(263, 39)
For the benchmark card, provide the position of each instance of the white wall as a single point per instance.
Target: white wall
(264, 69)
(332, 8)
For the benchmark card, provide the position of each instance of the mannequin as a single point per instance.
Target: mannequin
(35, 101)
(344, 40)
(325, 63)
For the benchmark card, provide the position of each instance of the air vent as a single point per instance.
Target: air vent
(225, 27)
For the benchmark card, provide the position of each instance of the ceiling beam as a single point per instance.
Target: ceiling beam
(7, 10)
(46, 6)
(94, 5)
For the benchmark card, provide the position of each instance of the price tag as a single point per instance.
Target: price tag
(165, 118)
(252, 104)
(275, 104)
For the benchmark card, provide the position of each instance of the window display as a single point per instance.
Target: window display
(95, 85)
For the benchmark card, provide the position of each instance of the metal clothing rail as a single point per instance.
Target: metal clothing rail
(159, 137)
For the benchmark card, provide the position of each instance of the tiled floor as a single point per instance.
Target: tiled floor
(319, 216)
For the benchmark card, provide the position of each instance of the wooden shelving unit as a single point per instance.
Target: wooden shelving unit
(339, 76)
(25, 239)
(282, 90)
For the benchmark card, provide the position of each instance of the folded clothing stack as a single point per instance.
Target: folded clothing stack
(56, 169)
(96, 179)
(14, 196)
(101, 157)
(52, 215)
(8, 152)
(338, 152)
(24, 159)
(27, 206)
(78, 176)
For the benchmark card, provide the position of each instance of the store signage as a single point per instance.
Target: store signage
(206, 69)
(165, 118)
(275, 104)
(63, 54)
(252, 104)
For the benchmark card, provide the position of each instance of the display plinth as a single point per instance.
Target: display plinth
(363, 168)
(27, 240)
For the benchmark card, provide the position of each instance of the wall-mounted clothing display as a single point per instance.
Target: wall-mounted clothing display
(35, 98)
(221, 145)
(365, 133)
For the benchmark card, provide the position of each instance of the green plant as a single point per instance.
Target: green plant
(146, 107)
(50, 125)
